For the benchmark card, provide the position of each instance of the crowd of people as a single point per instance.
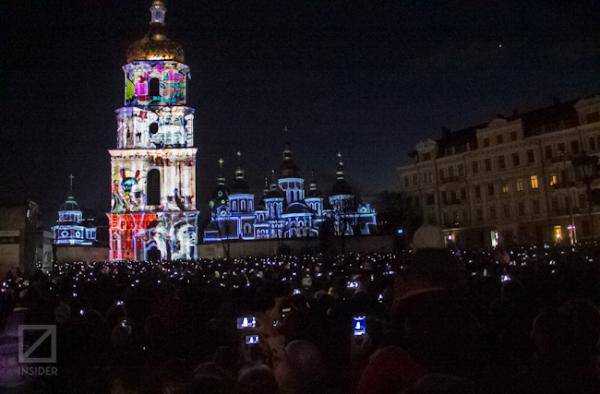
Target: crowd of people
(523, 320)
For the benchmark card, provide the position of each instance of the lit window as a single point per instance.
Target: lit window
(520, 185)
(557, 233)
(533, 181)
(505, 188)
(553, 180)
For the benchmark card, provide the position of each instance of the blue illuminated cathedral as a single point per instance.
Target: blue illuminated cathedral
(286, 209)
(70, 228)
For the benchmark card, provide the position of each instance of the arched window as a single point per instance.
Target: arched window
(153, 128)
(153, 187)
(154, 87)
(242, 205)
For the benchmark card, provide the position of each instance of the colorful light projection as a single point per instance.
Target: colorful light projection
(153, 236)
(153, 180)
(155, 82)
(161, 127)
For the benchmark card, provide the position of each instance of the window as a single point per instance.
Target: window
(430, 199)
(501, 162)
(533, 181)
(516, 160)
(499, 139)
(553, 180)
(513, 135)
(475, 167)
(548, 152)
(506, 211)
(575, 147)
(521, 208)
(592, 144)
(445, 197)
(153, 187)
(492, 212)
(561, 147)
(535, 206)
(530, 156)
(490, 189)
(453, 196)
(450, 171)
(486, 142)
(153, 128)
(488, 164)
(463, 194)
(520, 185)
(582, 201)
(415, 179)
(441, 173)
(406, 181)
(477, 191)
(154, 87)
(504, 188)
(461, 170)
(479, 214)
(554, 203)
(557, 233)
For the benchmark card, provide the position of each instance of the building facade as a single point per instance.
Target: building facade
(153, 170)
(511, 179)
(24, 244)
(287, 208)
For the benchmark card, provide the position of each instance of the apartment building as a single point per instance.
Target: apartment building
(511, 179)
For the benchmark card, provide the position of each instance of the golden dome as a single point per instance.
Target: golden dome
(156, 45)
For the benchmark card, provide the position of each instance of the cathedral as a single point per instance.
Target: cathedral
(286, 209)
(71, 228)
(153, 169)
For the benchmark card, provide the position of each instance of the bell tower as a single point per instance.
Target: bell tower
(153, 169)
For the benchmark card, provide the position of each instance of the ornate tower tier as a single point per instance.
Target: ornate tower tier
(153, 170)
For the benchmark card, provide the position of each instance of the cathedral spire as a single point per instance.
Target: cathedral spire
(239, 171)
(288, 168)
(71, 177)
(157, 12)
(220, 176)
(312, 186)
(339, 173)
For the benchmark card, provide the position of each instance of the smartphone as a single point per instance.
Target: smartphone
(505, 278)
(246, 322)
(252, 340)
(352, 284)
(359, 325)
(296, 292)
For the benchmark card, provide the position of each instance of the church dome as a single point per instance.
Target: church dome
(155, 45)
(298, 208)
(341, 186)
(70, 204)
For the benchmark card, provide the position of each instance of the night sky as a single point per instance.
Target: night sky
(368, 80)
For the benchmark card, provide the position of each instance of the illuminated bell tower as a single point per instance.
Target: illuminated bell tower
(153, 170)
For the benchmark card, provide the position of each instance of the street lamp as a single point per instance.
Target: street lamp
(586, 170)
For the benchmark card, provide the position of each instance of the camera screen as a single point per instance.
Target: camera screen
(352, 284)
(245, 322)
(359, 324)
(252, 339)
